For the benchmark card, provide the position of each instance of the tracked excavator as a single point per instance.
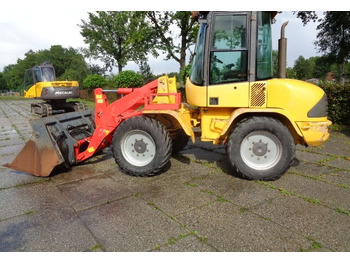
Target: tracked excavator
(40, 83)
(232, 100)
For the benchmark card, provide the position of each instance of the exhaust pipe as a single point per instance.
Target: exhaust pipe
(282, 53)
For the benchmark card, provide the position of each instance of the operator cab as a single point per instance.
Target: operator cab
(43, 73)
(232, 48)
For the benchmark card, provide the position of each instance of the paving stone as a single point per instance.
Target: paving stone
(339, 163)
(339, 177)
(93, 191)
(327, 194)
(17, 201)
(189, 243)
(10, 142)
(11, 178)
(241, 192)
(324, 225)
(48, 230)
(174, 196)
(11, 149)
(303, 156)
(76, 173)
(5, 159)
(311, 169)
(130, 225)
(229, 230)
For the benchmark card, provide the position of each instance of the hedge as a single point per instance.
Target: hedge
(128, 78)
(338, 102)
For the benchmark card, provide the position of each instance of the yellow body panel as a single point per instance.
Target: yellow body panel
(166, 85)
(229, 95)
(295, 97)
(178, 118)
(285, 99)
(315, 133)
(196, 95)
(35, 90)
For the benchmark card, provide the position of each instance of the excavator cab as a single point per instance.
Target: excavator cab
(42, 73)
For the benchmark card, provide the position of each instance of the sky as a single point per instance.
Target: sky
(38, 24)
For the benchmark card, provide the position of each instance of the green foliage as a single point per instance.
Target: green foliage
(128, 79)
(333, 38)
(68, 62)
(2, 82)
(146, 72)
(303, 68)
(162, 24)
(117, 37)
(94, 81)
(184, 74)
(338, 102)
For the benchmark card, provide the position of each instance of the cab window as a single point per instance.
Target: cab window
(229, 54)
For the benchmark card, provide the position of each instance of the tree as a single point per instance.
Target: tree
(275, 63)
(3, 85)
(322, 66)
(117, 37)
(146, 72)
(162, 22)
(303, 68)
(333, 38)
(68, 62)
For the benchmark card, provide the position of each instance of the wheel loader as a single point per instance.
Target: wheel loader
(40, 83)
(232, 100)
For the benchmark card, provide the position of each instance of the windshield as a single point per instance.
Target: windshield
(48, 74)
(264, 47)
(197, 64)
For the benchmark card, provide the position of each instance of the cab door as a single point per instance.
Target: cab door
(228, 60)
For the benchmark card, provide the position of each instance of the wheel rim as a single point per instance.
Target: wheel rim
(138, 148)
(261, 150)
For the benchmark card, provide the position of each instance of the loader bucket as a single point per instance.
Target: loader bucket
(52, 143)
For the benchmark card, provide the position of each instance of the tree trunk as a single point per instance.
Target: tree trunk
(120, 68)
(342, 77)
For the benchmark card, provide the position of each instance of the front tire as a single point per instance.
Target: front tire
(141, 146)
(260, 148)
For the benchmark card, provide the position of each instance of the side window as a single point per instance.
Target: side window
(229, 55)
(37, 74)
(264, 47)
(28, 79)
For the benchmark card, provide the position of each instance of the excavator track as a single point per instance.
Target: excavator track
(45, 109)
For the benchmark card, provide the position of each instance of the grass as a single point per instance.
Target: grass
(12, 98)
(340, 128)
(287, 192)
(90, 104)
(343, 211)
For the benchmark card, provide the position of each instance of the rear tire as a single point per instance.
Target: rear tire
(141, 146)
(260, 148)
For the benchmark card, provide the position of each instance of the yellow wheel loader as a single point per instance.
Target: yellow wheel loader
(40, 83)
(232, 99)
